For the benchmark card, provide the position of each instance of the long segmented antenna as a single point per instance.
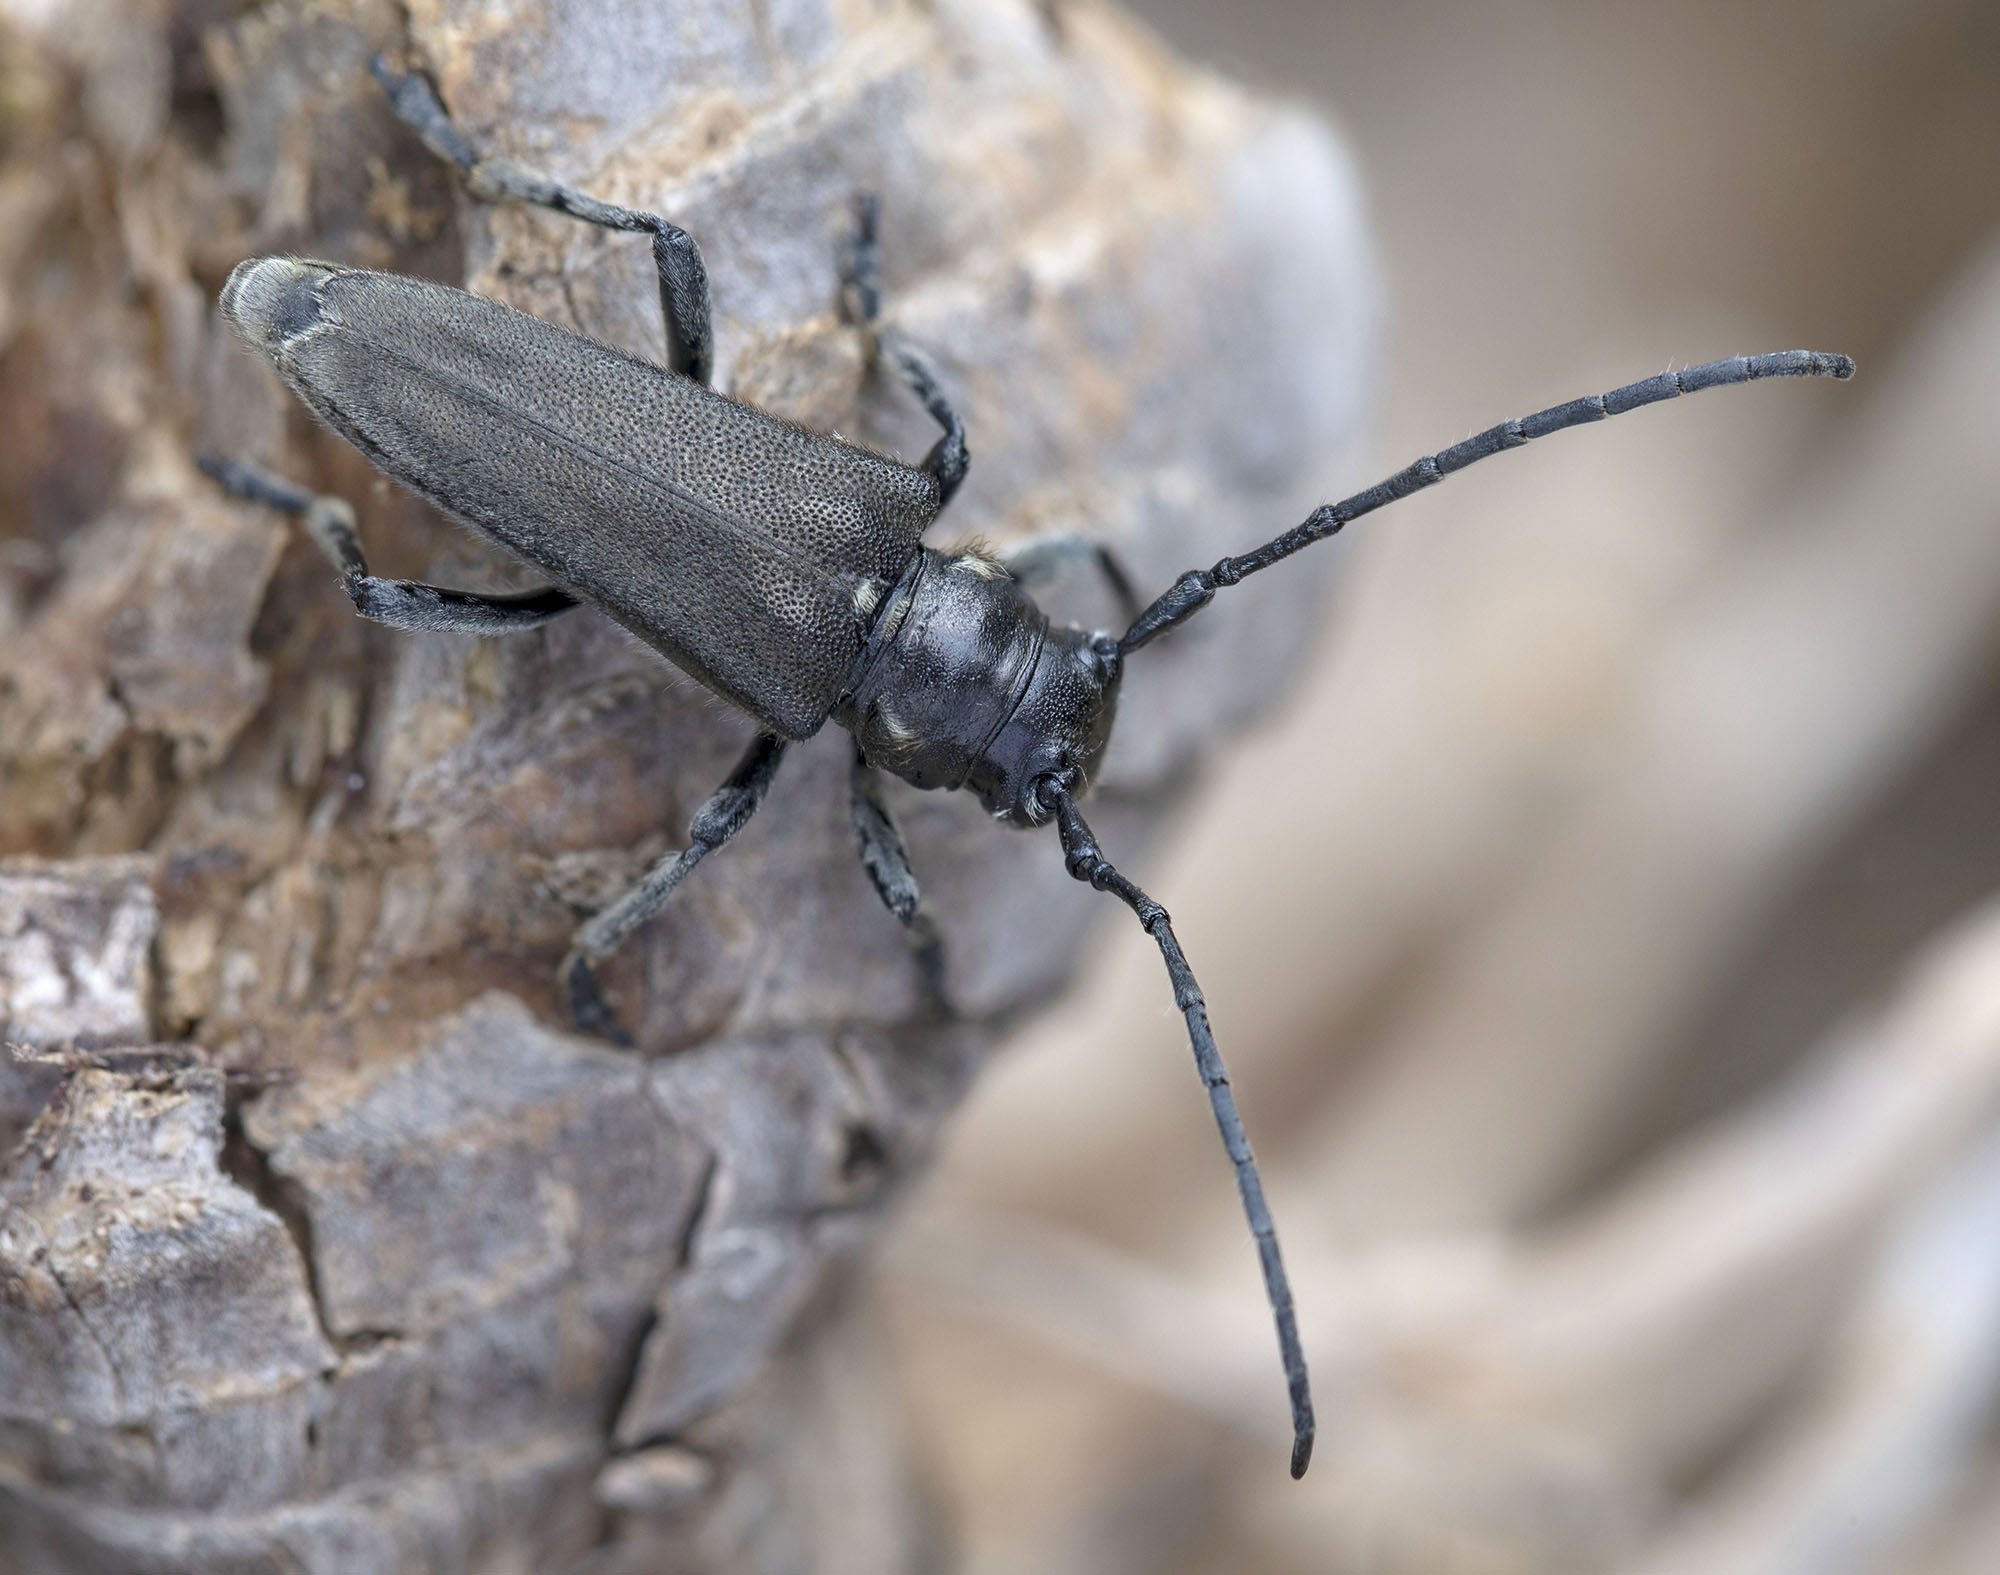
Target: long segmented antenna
(1087, 863)
(1195, 589)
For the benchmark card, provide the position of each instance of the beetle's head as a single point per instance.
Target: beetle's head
(1059, 729)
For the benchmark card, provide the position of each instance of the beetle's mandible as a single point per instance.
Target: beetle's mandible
(782, 568)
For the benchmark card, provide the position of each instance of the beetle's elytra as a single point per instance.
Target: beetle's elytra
(782, 568)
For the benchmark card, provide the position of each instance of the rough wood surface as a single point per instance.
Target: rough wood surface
(322, 1247)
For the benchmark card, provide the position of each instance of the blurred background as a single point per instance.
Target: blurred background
(1602, 937)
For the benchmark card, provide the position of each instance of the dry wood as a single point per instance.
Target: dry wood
(365, 1264)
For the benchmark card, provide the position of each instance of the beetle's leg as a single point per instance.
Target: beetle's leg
(948, 458)
(683, 278)
(1087, 862)
(1041, 559)
(888, 864)
(725, 814)
(402, 604)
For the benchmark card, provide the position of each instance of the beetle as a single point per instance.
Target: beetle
(782, 568)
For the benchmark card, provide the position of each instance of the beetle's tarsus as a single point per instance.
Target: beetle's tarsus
(583, 1001)
(860, 267)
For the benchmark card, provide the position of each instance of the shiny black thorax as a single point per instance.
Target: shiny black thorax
(963, 683)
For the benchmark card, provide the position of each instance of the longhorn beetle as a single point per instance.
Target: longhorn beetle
(782, 568)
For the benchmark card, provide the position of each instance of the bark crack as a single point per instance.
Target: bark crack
(250, 1168)
(69, 1296)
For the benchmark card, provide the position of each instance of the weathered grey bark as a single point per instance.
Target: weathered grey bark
(322, 1246)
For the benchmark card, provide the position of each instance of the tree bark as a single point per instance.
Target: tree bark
(323, 1246)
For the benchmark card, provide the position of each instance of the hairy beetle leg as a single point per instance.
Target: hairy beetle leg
(1041, 559)
(727, 811)
(887, 862)
(948, 458)
(401, 604)
(684, 297)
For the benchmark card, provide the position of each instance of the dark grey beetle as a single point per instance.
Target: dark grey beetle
(782, 568)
